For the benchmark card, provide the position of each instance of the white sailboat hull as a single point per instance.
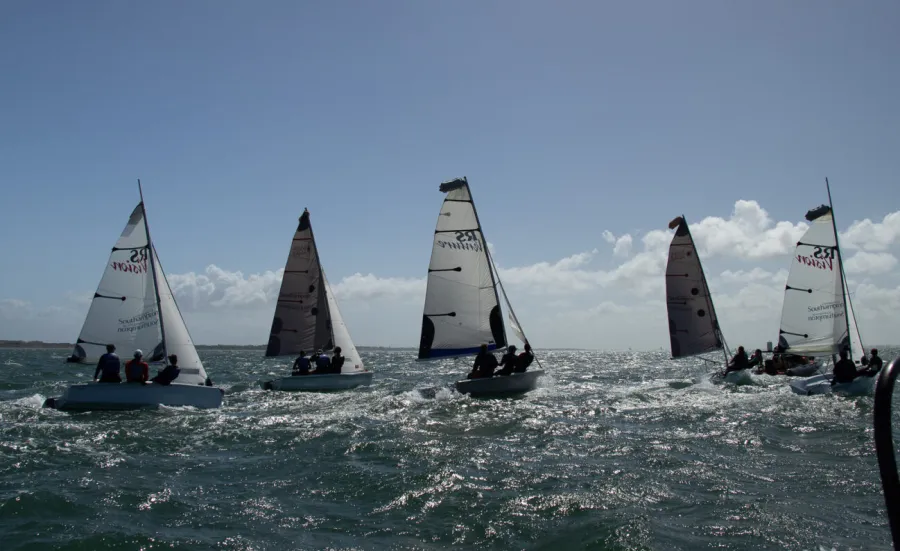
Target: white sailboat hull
(313, 383)
(113, 396)
(515, 383)
(821, 384)
(742, 377)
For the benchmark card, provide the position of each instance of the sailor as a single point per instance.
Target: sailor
(844, 369)
(739, 361)
(108, 366)
(301, 364)
(524, 359)
(875, 364)
(322, 362)
(484, 365)
(756, 359)
(137, 370)
(508, 361)
(169, 373)
(337, 361)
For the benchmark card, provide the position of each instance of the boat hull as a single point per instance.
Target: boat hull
(742, 377)
(807, 370)
(317, 383)
(821, 384)
(123, 396)
(499, 385)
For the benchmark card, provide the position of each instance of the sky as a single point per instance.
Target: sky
(583, 127)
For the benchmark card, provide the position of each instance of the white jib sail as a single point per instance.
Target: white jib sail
(352, 362)
(123, 311)
(462, 310)
(857, 349)
(693, 325)
(302, 321)
(178, 339)
(813, 321)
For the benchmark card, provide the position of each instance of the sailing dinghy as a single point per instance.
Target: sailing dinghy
(134, 308)
(817, 316)
(307, 319)
(693, 324)
(462, 306)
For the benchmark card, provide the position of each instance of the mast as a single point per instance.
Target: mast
(837, 250)
(150, 254)
(494, 279)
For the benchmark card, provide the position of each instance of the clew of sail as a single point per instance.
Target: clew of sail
(462, 309)
(302, 320)
(352, 362)
(693, 325)
(123, 311)
(177, 338)
(813, 319)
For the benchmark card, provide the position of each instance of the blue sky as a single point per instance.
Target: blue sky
(569, 118)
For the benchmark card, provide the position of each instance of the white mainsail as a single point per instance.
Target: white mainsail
(177, 338)
(462, 309)
(306, 316)
(693, 325)
(123, 311)
(814, 318)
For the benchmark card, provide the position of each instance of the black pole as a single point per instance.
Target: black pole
(884, 447)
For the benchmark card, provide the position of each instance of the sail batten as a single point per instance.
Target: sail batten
(693, 324)
(462, 308)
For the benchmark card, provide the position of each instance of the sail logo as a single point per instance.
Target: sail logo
(822, 258)
(827, 311)
(465, 241)
(136, 323)
(136, 264)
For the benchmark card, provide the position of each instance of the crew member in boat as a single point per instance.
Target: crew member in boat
(844, 369)
(524, 360)
(322, 362)
(109, 366)
(874, 364)
(756, 359)
(169, 373)
(484, 365)
(301, 364)
(508, 361)
(137, 370)
(739, 361)
(337, 360)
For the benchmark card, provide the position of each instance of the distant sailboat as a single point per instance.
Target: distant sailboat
(134, 308)
(817, 317)
(462, 306)
(307, 319)
(693, 324)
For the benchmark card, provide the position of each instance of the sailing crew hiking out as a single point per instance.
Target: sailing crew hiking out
(137, 370)
(301, 365)
(109, 366)
(169, 373)
(516, 364)
(484, 365)
(739, 361)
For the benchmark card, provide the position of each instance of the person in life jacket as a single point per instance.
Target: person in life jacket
(524, 359)
(137, 370)
(844, 370)
(337, 360)
(301, 364)
(323, 363)
(508, 361)
(108, 366)
(739, 361)
(874, 363)
(484, 365)
(169, 373)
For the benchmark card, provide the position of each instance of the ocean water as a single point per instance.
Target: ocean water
(614, 451)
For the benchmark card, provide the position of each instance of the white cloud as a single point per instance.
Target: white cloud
(749, 233)
(623, 246)
(370, 286)
(755, 275)
(873, 236)
(609, 237)
(870, 263)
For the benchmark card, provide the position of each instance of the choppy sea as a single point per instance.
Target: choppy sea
(613, 451)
